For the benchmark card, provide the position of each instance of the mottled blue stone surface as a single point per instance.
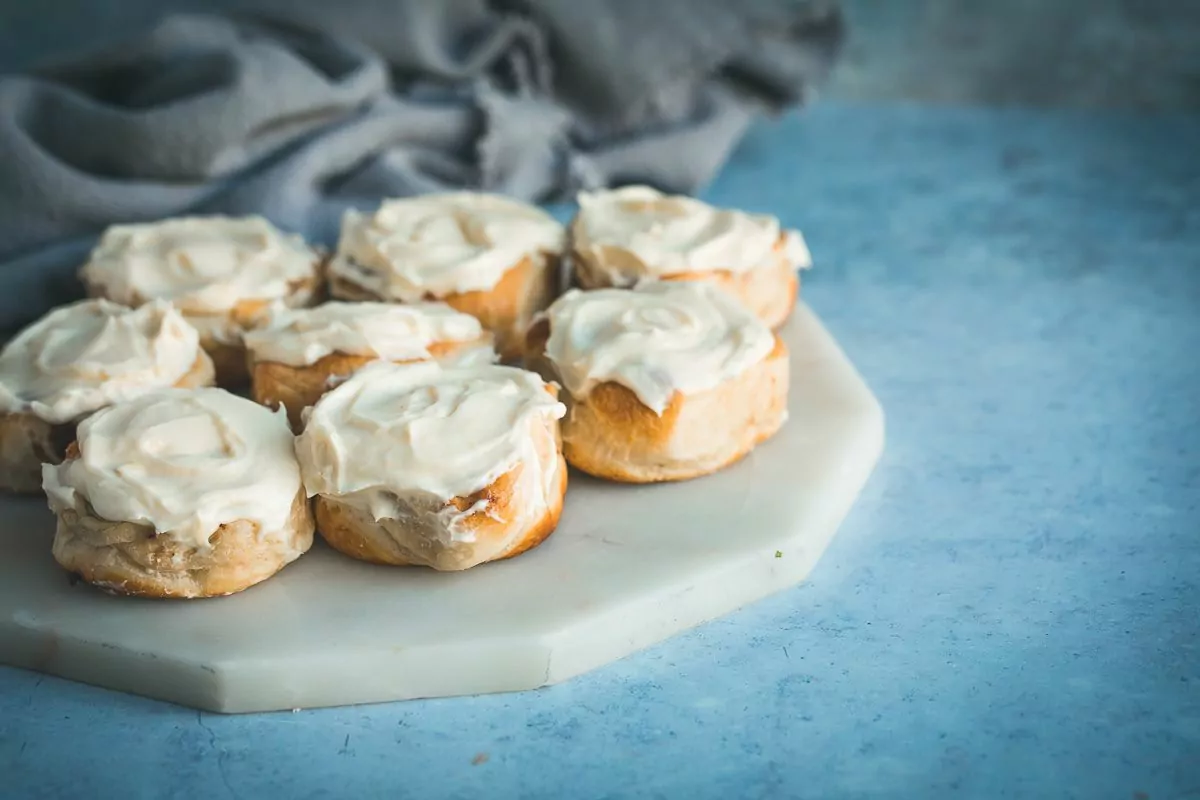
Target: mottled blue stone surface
(1011, 610)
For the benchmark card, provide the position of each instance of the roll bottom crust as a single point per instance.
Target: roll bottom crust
(27, 441)
(611, 434)
(498, 530)
(506, 309)
(274, 384)
(126, 558)
(768, 291)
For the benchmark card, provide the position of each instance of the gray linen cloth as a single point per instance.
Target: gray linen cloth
(298, 110)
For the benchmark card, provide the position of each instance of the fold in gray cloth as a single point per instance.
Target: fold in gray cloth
(345, 103)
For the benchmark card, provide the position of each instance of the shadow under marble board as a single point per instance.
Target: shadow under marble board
(628, 566)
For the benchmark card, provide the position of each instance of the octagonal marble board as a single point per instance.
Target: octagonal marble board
(628, 566)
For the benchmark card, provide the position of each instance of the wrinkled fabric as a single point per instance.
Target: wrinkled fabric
(298, 110)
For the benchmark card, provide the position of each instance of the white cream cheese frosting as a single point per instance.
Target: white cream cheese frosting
(183, 461)
(658, 339)
(426, 433)
(94, 353)
(204, 265)
(637, 233)
(441, 244)
(300, 337)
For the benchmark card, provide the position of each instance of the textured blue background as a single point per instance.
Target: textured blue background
(1011, 609)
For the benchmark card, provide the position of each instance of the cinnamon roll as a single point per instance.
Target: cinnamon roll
(179, 493)
(299, 354)
(627, 236)
(220, 272)
(482, 254)
(446, 467)
(665, 382)
(77, 359)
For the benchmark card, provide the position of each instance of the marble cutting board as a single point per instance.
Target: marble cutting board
(628, 566)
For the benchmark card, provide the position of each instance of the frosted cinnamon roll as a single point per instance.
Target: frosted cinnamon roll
(77, 359)
(220, 272)
(665, 382)
(179, 493)
(299, 354)
(485, 255)
(626, 236)
(446, 467)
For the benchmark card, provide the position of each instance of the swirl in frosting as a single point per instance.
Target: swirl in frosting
(392, 332)
(424, 430)
(94, 353)
(658, 339)
(636, 233)
(204, 265)
(184, 461)
(442, 244)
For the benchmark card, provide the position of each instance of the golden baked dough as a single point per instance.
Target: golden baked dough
(610, 433)
(298, 355)
(296, 388)
(770, 291)
(130, 559)
(630, 235)
(482, 254)
(404, 542)
(179, 493)
(506, 309)
(445, 467)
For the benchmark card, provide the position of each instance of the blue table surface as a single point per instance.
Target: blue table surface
(1010, 610)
